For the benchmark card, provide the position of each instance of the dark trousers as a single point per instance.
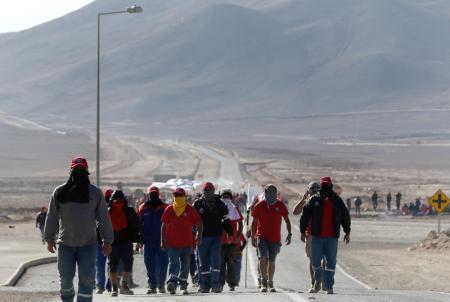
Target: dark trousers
(156, 261)
(228, 268)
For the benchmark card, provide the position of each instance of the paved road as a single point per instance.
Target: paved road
(291, 278)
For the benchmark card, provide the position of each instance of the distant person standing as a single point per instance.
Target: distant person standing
(127, 229)
(398, 200)
(327, 213)
(349, 204)
(388, 201)
(358, 203)
(214, 214)
(178, 221)
(156, 259)
(375, 201)
(266, 233)
(74, 209)
(40, 222)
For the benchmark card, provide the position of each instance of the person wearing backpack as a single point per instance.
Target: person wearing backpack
(214, 214)
(127, 229)
(73, 212)
(155, 258)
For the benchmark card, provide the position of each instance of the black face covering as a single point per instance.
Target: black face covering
(76, 188)
(153, 199)
(326, 190)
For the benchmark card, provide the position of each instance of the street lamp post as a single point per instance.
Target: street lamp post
(131, 10)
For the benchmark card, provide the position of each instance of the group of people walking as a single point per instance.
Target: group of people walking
(203, 238)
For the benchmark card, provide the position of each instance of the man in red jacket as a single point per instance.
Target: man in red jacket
(178, 221)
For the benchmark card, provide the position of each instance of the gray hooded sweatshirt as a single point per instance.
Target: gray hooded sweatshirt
(74, 224)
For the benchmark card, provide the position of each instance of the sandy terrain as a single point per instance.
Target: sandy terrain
(19, 242)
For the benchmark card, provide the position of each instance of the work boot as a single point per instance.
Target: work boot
(162, 290)
(232, 288)
(203, 290)
(125, 290)
(184, 291)
(171, 288)
(272, 288)
(131, 283)
(330, 291)
(315, 288)
(151, 291)
(100, 291)
(263, 286)
(217, 289)
(115, 291)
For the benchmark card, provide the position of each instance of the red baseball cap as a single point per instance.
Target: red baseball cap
(179, 192)
(79, 162)
(108, 193)
(153, 190)
(208, 186)
(326, 180)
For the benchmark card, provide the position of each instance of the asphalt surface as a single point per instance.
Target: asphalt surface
(291, 277)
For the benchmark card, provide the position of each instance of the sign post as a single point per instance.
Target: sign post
(439, 201)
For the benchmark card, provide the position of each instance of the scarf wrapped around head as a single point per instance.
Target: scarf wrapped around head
(270, 194)
(179, 205)
(76, 188)
(179, 201)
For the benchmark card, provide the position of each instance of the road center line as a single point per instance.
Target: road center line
(342, 270)
(251, 258)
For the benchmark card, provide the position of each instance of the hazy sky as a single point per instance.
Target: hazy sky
(19, 15)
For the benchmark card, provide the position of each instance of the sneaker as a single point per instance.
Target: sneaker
(184, 291)
(100, 291)
(272, 288)
(263, 286)
(171, 288)
(330, 291)
(115, 291)
(125, 290)
(162, 290)
(151, 291)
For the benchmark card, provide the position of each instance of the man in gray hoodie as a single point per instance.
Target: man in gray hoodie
(74, 209)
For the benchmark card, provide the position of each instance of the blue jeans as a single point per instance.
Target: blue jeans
(156, 261)
(100, 267)
(210, 258)
(324, 247)
(179, 261)
(68, 259)
(238, 268)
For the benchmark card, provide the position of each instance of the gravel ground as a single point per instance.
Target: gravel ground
(17, 296)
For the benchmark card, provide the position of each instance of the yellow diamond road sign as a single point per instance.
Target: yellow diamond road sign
(439, 201)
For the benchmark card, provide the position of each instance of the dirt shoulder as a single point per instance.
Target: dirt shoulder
(392, 266)
(19, 242)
